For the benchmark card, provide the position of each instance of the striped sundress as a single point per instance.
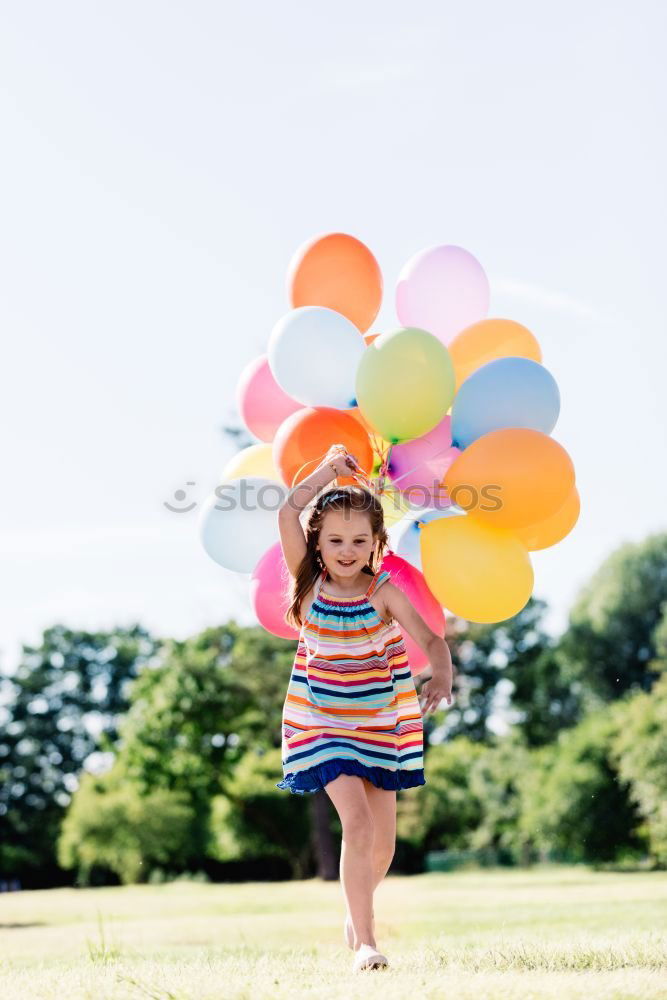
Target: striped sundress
(351, 706)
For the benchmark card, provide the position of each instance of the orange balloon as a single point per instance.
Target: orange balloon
(511, 478)
(490, 339)
(369, 338)
(340, 272)
(304, 438)
(553, 529)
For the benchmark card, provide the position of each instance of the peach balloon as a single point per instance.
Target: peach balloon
(340, 272)
(411, 582)
(511, 477)
(303, 440)
(356, 413)
(553, 529)
(269, 593)
(488, 340)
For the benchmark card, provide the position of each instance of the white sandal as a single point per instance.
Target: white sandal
(368, 957)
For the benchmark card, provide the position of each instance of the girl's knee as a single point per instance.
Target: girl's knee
(383, 852)
(356, 817)
(358, 826)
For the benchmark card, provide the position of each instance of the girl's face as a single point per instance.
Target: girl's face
(345, 542)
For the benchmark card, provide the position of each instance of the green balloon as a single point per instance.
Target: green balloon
(405, 384)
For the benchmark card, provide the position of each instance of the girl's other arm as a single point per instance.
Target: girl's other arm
(435, 647)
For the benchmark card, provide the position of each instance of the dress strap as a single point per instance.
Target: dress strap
(377, 581)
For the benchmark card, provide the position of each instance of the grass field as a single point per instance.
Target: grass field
(543, 933)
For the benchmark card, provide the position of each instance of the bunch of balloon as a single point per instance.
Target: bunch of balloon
(505, 486)
(323, 379)
(449, 401)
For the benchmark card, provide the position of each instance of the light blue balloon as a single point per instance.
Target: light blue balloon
(314, 353)
(404, 536)
(507, 392)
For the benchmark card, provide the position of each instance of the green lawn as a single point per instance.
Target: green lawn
(542, 933)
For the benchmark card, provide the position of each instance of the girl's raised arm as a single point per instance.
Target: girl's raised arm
(292, 537)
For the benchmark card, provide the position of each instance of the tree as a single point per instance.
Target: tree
(486, 655)
(254, 819)
(547, 695)
(574, 804)
(62, 705)
(640, 751)
(610, 643)
(495, 777)
(443, 812)
(112, 826)
(186, 723)
(202, 705)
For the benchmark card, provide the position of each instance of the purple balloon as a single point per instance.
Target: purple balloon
(416, 468)
(443, 290)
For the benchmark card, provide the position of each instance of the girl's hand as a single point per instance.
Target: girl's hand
(341, 461)
(433, 691)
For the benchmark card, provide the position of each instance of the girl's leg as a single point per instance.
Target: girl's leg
(382, 804)
(356, 854)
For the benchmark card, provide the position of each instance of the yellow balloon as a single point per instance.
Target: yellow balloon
(490, 339)
(255, 460)
(405, 384)
(394, 505)
(552, 529)
(478, 572)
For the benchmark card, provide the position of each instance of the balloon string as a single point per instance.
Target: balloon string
(359, 474)
(376, 444)
(309, 461)
(375, 486)
(384, 468)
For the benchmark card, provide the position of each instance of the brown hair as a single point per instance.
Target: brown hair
(340, 498)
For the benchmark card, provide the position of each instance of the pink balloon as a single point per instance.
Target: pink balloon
(442, 289)
(416, 468)
(269, 585)
(408, 579)
(262, 403)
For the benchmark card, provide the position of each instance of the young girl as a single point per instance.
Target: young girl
(352, 722)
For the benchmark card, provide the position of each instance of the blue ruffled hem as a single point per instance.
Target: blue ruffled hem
(314, 778)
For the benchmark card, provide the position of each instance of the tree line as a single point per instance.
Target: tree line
(127, 757)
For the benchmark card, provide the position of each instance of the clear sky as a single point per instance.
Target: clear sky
(161, 163)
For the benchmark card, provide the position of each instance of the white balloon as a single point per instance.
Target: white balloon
(239, 521)
(313, 355)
